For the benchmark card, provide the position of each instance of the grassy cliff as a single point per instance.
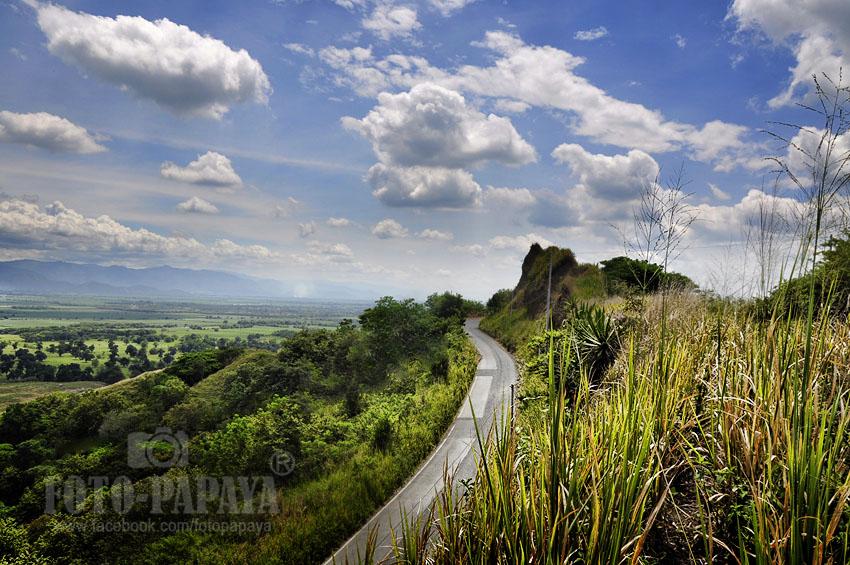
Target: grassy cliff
(524, 309)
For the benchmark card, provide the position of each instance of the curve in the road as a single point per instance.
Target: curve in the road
(488, 396)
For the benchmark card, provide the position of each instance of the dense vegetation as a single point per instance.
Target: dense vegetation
(720, 441)
(830, 280)
(623, 274)
(674, 427)
(355, 409)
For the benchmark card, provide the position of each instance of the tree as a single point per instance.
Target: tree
(109, 373)
(397, 329)
(625, 272)
(113, 351)
(447, 305)
(660, 223)
(499, 300)
(829, 279)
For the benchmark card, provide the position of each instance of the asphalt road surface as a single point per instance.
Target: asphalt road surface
(488, 396)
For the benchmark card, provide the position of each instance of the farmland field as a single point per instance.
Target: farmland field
(11, 392)
(146, 334)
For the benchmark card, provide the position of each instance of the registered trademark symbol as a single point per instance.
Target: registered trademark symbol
(282, 463)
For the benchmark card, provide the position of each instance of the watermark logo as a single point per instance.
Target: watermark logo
(162, 449)
(282, 463)
(161, 493)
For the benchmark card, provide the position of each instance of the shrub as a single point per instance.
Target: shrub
(499, 300)
(191, 368)
(382, 433)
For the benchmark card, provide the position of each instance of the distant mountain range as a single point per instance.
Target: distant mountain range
(58, 277)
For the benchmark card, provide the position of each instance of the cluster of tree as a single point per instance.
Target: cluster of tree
(76, 332)
(623, 274)
(500, 299)
(110, 371)
(76, 348)
(139, 357)
(193, 367)
(24, 365)
(201, 342)
(454, 307)
(830, 280)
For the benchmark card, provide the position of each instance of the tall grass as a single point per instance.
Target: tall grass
(724, 439)
(719, 435)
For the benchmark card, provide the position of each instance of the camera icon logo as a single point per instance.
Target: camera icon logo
(162, 449)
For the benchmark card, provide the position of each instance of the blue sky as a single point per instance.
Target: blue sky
(410, 146)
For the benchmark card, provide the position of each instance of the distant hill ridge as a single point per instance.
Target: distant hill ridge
(64, 278)
(58, 277)
(27, 276)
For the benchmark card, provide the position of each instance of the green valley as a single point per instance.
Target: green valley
(333, 421)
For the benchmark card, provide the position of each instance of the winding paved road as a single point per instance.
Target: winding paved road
(488, 395)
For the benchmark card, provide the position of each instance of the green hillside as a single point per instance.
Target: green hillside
(349, 412)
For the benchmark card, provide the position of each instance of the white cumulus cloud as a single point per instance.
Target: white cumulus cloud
(210, 169)
(539, 76)
(66, 232)
(197, 205)
(306, 229)
(338, 250)
(176, 67)
(426, 187)
(388, 20)
(817, 31)
(435, 235)
(299, 48)
(608, 176)
(433, 126)
(425, 139)
(47, 131)
(338, 222)
(389, 229)
(448, 7)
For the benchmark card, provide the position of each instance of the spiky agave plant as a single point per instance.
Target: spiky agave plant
(595, 339)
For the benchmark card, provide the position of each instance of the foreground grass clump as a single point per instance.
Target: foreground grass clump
(723, 440)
